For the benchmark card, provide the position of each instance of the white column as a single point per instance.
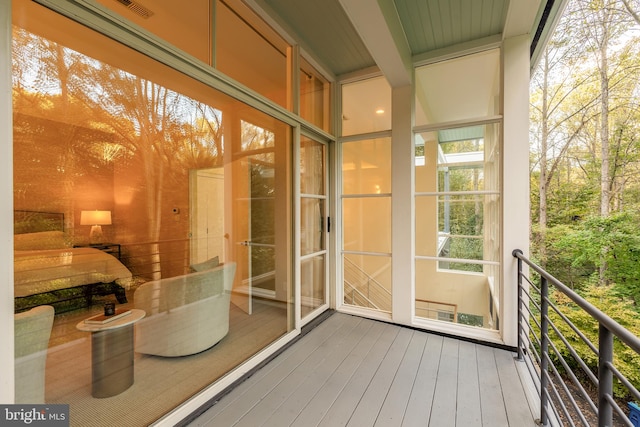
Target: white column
(402, 222)
(515, 212)
(6, 208)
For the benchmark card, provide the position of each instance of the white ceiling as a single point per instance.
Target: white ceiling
(351, 35)
(346, 36)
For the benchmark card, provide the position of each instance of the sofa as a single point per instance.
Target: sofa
(184, 314)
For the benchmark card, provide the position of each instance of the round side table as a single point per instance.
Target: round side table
(112, 354)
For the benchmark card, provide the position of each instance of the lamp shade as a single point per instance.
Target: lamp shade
(95, 218)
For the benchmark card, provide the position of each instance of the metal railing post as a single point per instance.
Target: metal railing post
(544, 350)
(520, 313)
(605, 376)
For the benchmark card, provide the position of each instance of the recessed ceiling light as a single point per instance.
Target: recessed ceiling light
(380, 111)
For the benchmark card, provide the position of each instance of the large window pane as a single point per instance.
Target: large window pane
(366, 106)
(312, 283)
(367, 224)
(315, 96)
(461, 215)
(312, 166)
(473, 90)
(457, 208)
(313, 207)
(197, 187)
(250, 52)
(460, 179)
(367, 281)
(366, 166)
(187, 28)
(463, 299)
(312, 217)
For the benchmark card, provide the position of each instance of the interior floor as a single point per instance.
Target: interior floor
(159, 382)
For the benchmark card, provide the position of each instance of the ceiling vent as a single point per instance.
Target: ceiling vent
(136, 8)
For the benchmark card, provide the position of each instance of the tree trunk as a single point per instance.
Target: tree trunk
(544, 146)
(605, 193)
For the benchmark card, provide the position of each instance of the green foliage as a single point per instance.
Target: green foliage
(263, 211)
(625, 359)
(575, 253)
(585, 153)
(561, 259)
(568, 203)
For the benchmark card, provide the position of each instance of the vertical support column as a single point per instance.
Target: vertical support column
(6, 210)
(515, 175)
(605, 376)
(402, 223)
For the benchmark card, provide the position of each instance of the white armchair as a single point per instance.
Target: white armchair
(185, 314)
(32, 333)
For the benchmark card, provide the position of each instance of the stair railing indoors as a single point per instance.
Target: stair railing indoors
(361, 285)
(562, 394)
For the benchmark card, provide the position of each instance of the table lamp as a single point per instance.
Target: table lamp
(96, 219)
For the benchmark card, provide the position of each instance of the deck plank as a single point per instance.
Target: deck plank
(244, 397)
(491, 399)
(443, 411)
(394, 406)
(513, 391)
(316, 375)
(342, 409)
(285, 385)
(360, 372)
(369, 406)
(319, 406)
(418, 409)
(468, 411)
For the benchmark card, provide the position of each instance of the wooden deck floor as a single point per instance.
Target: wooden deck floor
(351, 371)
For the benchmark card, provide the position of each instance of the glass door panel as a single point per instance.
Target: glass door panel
(186, 182)
(366, 222)
(255, 191)
(313, 208)
(261, 226)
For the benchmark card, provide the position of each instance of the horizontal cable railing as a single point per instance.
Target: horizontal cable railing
(354, 297)
(368, 288)
(572, 391)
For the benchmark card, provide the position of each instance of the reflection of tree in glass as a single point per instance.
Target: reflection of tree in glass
(260, 143)
(262, 218)
(83, 118)
(54, 140)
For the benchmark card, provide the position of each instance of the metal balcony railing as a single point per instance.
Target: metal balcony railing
(563, 378)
